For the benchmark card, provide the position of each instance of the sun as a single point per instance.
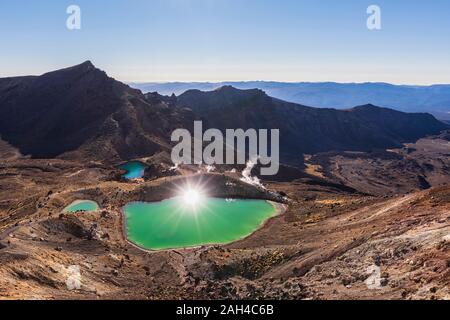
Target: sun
(192, 197)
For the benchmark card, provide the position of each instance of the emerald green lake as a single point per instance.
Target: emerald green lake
(82, 205)
(135, 169)
(173, 223)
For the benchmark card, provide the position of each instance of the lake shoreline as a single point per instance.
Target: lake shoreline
(279, 208)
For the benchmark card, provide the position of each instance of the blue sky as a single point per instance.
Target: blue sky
(221, 40)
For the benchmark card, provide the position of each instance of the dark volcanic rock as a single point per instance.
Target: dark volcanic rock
(306, 130)
(82, 109)
(80, 112)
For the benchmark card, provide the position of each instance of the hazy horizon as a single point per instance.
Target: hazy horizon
(225, 81)
(285, 82)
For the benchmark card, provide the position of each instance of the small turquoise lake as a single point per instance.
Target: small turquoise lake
(134, 169)
(82, 205)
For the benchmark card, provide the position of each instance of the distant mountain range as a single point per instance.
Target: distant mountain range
(80, 112)
(433, 99)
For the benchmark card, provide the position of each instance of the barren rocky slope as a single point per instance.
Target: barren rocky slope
(416, 166)
(332, 242)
